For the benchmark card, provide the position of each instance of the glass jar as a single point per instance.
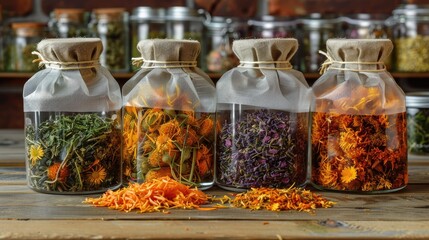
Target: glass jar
(168, 116)
(363, 25)
(315, 30)
(2, 34)
(221, 32)
(72, 120)
(418, 122)
(262, 115)
(411, 38)
(68, 22)
(358, 135)
(20, 45)
(275, 27)
(187, 23)
(272, 27)
(111, 26)
(368, 26)
(146, 23)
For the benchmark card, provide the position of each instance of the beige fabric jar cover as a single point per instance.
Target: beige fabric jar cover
(73, 79)
(265, 77)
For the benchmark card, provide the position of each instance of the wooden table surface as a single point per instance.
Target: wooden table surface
(25, 214)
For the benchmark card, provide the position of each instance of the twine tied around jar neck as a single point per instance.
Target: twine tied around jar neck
(329, 61)
(163, 64)
(287, 64)
(64, 65)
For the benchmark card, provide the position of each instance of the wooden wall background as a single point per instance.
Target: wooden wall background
(11, 115)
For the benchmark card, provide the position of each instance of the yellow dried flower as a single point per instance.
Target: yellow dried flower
(36, 153)
(97, 175)
(348, 174)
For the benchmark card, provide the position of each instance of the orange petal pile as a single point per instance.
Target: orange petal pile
(157, 195)
(274, 199)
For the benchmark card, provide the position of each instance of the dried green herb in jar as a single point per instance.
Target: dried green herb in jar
(111, 26)
(418, 122)
(73, 153)
(412, 54)
(20, 45)
(72, 130)
(68, 22)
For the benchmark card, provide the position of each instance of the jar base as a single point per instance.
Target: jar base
(318, 187)
(242, 189)
(102, 190)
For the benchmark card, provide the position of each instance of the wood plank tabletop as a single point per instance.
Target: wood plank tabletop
(25, 214)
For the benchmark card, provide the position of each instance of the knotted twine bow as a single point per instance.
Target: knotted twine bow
(329, 61)
(64, 65)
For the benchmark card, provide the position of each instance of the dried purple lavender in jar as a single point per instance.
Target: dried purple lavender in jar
(262, 118)
(264, 148)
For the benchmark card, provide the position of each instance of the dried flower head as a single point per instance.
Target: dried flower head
(206, 127)
(152, 119)
(170, 128)
(190, 118)
(187, 137)
(204, 159)
(56, 172)
(155, 158)
(36, 153)
(348, 174)
(96, 175)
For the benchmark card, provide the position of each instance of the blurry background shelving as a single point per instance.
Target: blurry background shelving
(11, 83)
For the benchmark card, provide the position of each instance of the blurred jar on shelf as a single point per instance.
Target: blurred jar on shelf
(411, 38)
(146, 23)
(275, 27)
(2, 34)
(272, 27)
(363, 25)
(68, 22)
(314, 31)
(220, 33)
(418, 123)
(187, 23)
(111, 26)
(367, 26)
(21, 43)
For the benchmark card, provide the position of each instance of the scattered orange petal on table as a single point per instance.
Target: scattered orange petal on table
(157, 195)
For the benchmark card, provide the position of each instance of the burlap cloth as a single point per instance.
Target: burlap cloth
(73, 80)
